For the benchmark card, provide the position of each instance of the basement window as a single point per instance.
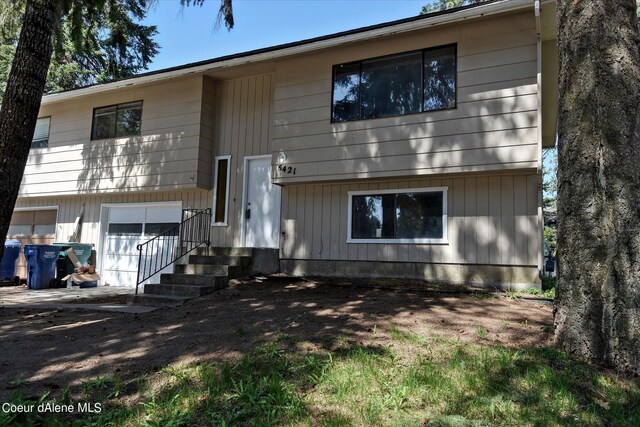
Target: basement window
(398, 216)
(221, 190)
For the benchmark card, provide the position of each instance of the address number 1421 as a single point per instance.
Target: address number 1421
(284, 169)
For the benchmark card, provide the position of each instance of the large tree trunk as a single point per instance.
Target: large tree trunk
(597, 312)
(21, 102)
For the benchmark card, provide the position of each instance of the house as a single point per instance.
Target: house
(406, 149)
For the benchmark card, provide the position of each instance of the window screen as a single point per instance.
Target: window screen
(41, 133)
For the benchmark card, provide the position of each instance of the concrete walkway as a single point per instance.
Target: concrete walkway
(73, 298)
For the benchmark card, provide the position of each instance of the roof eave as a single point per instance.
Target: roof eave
(304, 47)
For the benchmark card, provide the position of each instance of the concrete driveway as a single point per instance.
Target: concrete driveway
(107, 298)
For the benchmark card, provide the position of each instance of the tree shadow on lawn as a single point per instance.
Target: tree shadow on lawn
(51, 349)
(370, 385)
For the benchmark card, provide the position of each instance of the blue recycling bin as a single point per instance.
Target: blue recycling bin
(41, 265)
(9, 262)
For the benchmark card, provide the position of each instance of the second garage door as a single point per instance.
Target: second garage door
(32, 227)
(127, 227)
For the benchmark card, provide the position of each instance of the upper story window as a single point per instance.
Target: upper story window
(406, 83)
(41, 134)
(117, 121)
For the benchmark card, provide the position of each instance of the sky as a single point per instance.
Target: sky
(188, 34)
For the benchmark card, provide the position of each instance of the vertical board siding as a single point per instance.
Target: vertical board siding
(470, 221)
(457, 230)
(208, 129)
(508, 221)
(534, 215)
(520, 219)
(484, 231)
(493, 127)
(69, 208)
(491, 220)
(243, 122)
(230, 116)
(495, 219)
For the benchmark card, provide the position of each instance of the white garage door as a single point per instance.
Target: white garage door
(127, 227)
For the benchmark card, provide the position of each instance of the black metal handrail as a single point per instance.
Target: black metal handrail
(158, 253)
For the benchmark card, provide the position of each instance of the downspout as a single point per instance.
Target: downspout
(539, 135)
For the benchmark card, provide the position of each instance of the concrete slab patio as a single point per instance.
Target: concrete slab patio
(72, 298)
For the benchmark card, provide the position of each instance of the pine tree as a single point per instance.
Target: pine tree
(59, 24)
(438, 5)
(112, 45)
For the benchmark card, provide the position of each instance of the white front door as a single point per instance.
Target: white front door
(262, 205)
(129, 226)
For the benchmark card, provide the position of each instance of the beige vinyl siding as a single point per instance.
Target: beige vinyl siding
(493, 127)
(244, 117)
(491, 220)
(167, 154)
(208, 126)
(69, 208)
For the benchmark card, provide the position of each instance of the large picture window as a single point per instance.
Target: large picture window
(406, 83)
(117, 121)
(398, 216)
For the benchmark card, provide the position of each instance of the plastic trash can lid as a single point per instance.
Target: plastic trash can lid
(12, 244)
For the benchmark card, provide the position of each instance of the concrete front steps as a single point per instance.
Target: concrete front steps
(207, 270)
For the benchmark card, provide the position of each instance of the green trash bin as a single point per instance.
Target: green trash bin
(82, 251)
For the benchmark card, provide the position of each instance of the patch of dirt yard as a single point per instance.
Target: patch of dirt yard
(53, 349)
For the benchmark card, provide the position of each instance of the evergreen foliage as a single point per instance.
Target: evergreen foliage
(438, 5)
(94, 43)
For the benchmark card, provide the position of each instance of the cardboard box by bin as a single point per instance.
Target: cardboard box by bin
(87, 279)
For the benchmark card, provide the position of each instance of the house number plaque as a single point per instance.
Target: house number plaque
(284, 169)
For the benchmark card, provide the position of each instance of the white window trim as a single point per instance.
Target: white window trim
(215, 190)
(443, 241)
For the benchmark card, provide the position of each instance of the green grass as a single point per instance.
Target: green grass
(548, 289)
(411, 380)
(482, 333)
(406, 336)
(549, 293)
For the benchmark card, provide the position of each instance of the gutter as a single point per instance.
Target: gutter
(540, 176)
(304, 46)
(539, 80)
